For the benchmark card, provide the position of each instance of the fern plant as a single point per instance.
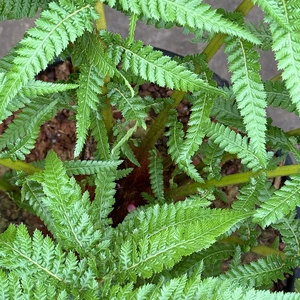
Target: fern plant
(173, 244)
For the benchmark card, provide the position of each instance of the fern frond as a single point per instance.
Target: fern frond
(234, 143)
(18, 9)
(90, 83)
(38, 258)
(262, 32)
(249, 194)
(274, 12)
(185, 13)
(21, 134)
(58, 26)
(286, 45)
(152, 66)
(280, 204)
(132, 108)
(227, 113)
(260, 272)
(212, 160)
(89, 167)
(199, 118)
(156, 175)
(68, 207)
(278, 96)
(98, 131)
(161, 235)
(249, 90)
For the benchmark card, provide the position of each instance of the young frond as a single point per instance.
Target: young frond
(69, 208)
(234, 143)
(19, 9)
(156, 175)
(55, 28)
(90, 83)
(161, 235)
(152, 66)
(185, 13)
(286, 45)
(280, 204)
(21, 134)
(249, 90)
(260, 272)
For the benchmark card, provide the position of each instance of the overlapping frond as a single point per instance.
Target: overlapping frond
(286, 45)
(185, 13)
(90, 83)
(234, 143)
(161, 235)
(56, 27)
(154, 67)
(21, 134)
(249, 90)
(280, 204)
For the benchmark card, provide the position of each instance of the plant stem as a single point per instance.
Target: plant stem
(239, 178)
(106, 112)
(19, 166)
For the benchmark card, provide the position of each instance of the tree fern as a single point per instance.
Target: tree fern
(280, 204)
(185, 13)
(286, 46)
(249, 90)
(57, 26)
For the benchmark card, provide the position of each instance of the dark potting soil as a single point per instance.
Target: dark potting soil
(59, 134)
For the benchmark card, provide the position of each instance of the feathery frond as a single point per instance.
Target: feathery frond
(280, 204)
(249, 90)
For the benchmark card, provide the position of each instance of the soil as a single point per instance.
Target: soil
(59, 134)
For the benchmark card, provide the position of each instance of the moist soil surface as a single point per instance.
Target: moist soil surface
(59, 134)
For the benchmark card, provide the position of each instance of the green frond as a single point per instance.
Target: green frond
(212, 160)
(18, 9)
(262, 32)
(104, 199)
(260, 272)
(185, 13)
(280, 204)
(65, 202)
(249, 194)
(227, 113)
(160, 236)
(290, 233)
(99, 133)
(90, 83)
(199, 118)
(55, 28)
(156, 175)
(154, 67)
(278, 139)
(274, 12)
(21, 134)
(278, 96)
(132, 108)
(286, 45)
(39, 260)
(234, 143)
(249, 90)
(89, 167)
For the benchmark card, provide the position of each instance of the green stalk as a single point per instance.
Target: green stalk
(158, 126)
(19, 166)
(184, 191)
